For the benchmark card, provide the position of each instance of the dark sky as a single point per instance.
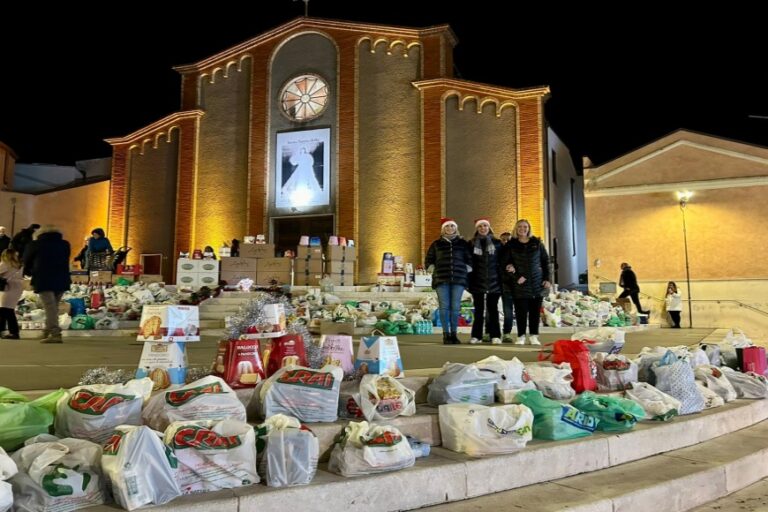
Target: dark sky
(615, 86)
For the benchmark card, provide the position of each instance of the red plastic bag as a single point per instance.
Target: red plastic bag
(577, 355)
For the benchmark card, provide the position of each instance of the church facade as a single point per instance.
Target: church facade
(323, 127)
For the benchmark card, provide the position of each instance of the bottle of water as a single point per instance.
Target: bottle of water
(419, 449)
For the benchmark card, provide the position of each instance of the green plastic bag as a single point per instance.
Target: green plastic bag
(615, 414)
(82, 322)
(21, 419)
(553, 420)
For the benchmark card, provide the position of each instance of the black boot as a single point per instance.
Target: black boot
(455, 339)
(447, 338)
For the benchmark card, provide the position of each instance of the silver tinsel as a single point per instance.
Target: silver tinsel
(252, 313)
(104, 375)
(196, 372)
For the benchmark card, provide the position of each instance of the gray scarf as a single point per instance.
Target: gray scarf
(489, 243)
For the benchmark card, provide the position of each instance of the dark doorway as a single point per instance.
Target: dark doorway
(288, 230)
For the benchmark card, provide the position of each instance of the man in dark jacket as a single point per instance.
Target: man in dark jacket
(23, 238)
(628, 281)
(5, 240)
(47, 261)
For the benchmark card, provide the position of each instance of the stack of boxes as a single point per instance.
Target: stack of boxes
(258, 263)
(195, 274)
(308, 266)
(340, 264)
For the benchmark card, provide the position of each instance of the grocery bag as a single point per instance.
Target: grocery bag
(556, 421)
(304, 393)
(382, 398)
(287, 451)
(656, 404)
(459, 383)
(365, 449)
(21, 419)
(615, 414)
(479, 430)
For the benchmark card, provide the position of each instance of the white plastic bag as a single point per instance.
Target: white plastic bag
(288, 453)
(367, 449)
(607, 339)
(65, 475)
(614, 372)
(304, 393)
(747, 385)
(553, 380)
(213, 455)
(712, 377)
(92, 412)
(656, 404)
(7, 466)
(382, 398)
(6, 496)
(736, 338)
(462, 383)
(512, 377)
(479, 430)
(711, 399)
(208, 398)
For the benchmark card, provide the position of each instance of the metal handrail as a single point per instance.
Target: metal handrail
(739, 303)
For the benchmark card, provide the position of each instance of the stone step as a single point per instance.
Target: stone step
(602, 472)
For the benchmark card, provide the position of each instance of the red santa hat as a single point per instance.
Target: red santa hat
(447, 220)
(482, 219)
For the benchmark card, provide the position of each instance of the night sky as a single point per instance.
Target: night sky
(615, 86)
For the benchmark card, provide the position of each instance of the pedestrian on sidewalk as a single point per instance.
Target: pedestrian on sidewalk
(526, 267)
(11, 272)
(628, 281)
(674, 304)
(485, 282)
(47, 261)
(448, 261)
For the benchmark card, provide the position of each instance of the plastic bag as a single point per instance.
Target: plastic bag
(615, 414)
(366, 449)
(512, 377)
(614, 372)
(288, 452)
(304, 393)
(675, 376)
(607, 339)
(577, 355)
(712, 377)
(462, 383)
(747, 385)
(479, 430)
(21, 419)
(82, 322)
(656, 404)
(382, 398)
(136, 462)
(553, 380)
(556, 421)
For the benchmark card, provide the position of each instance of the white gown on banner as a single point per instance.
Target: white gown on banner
(302, 186)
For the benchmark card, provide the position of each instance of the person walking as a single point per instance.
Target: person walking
(11, 272)
(674, 304)
(526, 266)
(628, 281)
(5, 240)
(485, 282)
(23, 238)
(47, 261)
(448, 260)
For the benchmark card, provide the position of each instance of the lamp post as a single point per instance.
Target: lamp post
(683, 198)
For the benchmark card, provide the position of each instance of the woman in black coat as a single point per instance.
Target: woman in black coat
(448, 260)
(485, 281)
(526, 265)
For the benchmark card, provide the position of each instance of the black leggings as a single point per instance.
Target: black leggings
(528, 311)
(675, 315)
(8, 315)
(635, 298)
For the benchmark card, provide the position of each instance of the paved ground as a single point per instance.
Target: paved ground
(29, 365)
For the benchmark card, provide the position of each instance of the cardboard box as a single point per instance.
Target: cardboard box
(308, 266)
(235, 277)
(169, 323)
(238, 265)
(340, 267)
(422, 280)
(304, 252)
(79, 276)
(208, 279)
(188, 279)
(165, 363)
(187, 265)
(340, 253)
(342, 279)
(257, 251)
(389, 279)
(101, 276)
(274, 265)
(151, 278)
(271, 278)
(304, 279)
(208, 266)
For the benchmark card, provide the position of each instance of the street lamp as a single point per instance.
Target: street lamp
(683, 198)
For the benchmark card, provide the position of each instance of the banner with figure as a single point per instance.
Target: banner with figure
(302, 176)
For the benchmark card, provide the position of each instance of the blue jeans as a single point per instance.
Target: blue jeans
(508, 302)
(449, 300)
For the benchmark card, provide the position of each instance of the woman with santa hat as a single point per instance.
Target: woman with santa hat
(485, 281)
(448, 260)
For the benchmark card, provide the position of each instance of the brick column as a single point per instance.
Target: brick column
(346, 191)
(530, 183)
(118, 191)
(186, 185)
(433, 185)
(258, 171)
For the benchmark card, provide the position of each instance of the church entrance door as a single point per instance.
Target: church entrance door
(286, 231)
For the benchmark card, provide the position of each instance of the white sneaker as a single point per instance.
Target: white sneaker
(520, 340)
(535, 340)
(496, 341)
(475, 341)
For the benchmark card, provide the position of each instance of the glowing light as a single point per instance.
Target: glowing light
(301, 196)
(684, 196)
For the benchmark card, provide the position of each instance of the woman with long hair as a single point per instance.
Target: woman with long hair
(674, 304)
(485, 282)
(11, 272)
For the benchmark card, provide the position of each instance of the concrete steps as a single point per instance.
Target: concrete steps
(671, 466)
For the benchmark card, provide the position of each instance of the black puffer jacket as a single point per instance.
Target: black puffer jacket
(530, 261)
(47, 261)
(450, 258)
(628, 280)
(485, 276)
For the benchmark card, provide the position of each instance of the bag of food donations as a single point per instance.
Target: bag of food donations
(213, 455)
(512, 377)
(554, 420)
(656, 404)
(459, 383)
(21, 418)
(304, 393)
(365, 449)
(479, 430)
(208, 398)
(615, 414)
(382, 398)
(61, 475)
(139, 467)
(92, 412)
(287, 451)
